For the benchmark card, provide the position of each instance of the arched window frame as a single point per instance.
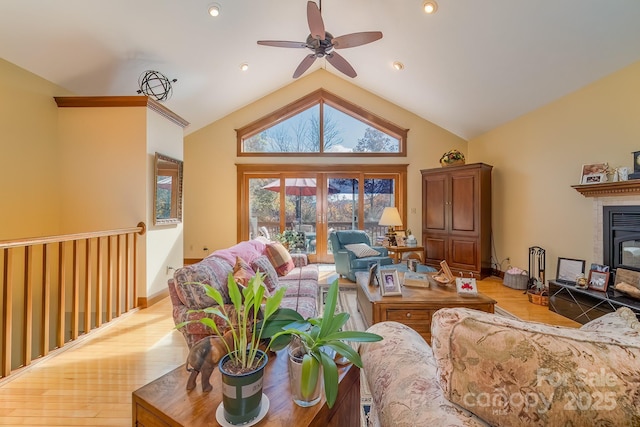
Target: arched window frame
(321, 97)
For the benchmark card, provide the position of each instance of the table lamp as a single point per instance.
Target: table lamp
(390, 218)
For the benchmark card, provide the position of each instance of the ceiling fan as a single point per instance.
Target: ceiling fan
(322, 43)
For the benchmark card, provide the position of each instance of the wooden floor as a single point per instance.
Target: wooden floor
(91, 383)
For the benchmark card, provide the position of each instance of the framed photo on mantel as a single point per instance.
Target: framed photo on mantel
(594, 174)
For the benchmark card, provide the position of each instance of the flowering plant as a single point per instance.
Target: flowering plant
(451, 156)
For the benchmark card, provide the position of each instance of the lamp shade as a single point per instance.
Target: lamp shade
(390, 217)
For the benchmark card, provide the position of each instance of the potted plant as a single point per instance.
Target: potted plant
(452, 157)
(242, 367)
(287, 238)
(310, 343)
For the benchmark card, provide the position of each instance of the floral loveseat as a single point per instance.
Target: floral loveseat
(243, 259)
(487, 370)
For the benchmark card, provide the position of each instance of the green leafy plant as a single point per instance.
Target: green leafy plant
(451, 156)
(287, 237)
(244, 323)
(317, 335)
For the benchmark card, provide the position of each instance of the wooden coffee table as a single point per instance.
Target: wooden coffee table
(415, 306)
(166, 402)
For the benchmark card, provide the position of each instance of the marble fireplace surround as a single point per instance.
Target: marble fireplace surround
(624, 193)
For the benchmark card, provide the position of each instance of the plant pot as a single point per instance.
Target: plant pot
(242, 393)
(295, 352)
(452, 163)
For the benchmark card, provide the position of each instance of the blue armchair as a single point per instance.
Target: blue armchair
(347, 263)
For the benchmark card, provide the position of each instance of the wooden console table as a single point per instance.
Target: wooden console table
(166, 402)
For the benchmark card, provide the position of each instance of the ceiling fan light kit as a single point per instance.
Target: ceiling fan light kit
(322, 43)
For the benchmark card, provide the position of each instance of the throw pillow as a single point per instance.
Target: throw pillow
(362, 250)
(280, 258)
(263, 265)
(242, 272)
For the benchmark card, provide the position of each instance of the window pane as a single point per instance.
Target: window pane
(342, 205)
(378, 194)
(264, 207)
(297, 134)
(345, 134)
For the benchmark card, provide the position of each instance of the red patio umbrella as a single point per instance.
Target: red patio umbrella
(294, 186)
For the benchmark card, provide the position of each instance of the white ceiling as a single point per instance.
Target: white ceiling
(469, 68)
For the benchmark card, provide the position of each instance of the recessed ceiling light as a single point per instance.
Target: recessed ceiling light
(214, 10)
(398, 65)
(244, 66)
(430, 7)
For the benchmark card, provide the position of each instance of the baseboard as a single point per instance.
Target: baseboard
(144, 302)
(497, 273)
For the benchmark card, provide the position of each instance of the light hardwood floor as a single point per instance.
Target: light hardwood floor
(91, 383)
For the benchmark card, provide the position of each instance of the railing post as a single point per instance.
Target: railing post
(7, 309)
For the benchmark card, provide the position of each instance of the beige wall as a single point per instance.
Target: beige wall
(29, 152)
(538, 157)
(74, 170)
(210, 158)
(164, 243)
(103, 168)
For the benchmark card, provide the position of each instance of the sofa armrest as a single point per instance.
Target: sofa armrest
(511, 372)
(300, 260)
(401, 374)
(383, 251)
(342, 259)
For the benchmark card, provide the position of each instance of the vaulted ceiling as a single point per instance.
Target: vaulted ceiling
(471, 66)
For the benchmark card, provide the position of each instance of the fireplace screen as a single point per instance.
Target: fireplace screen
(621, 236)
(630, 253)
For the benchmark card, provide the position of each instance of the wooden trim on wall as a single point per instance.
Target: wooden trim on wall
(322, 96)
(145, 302)
(247, 171)
(120, 101)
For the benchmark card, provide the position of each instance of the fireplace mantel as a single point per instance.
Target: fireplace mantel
(620, 188)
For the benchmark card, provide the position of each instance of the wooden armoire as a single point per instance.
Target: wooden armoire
(456, 218)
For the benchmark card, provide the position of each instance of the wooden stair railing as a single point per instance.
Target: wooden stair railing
(57, 288)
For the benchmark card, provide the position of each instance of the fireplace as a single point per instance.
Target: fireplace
(621, 236)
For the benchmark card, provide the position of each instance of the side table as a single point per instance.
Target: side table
(397, 251)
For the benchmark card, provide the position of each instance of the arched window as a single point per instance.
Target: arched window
(321, 123)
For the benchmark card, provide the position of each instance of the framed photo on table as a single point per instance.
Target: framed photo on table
(569, 269)
(373, 274)
(598, 280)
(389, 283)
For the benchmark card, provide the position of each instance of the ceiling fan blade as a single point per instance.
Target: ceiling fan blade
(282, 43)
(356, 39)
(304, 65)
(341, 64)
(314, 18)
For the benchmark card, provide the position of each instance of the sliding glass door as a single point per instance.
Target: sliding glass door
(307, 206)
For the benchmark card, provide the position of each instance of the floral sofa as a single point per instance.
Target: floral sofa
(487, 370)
(242, 260)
